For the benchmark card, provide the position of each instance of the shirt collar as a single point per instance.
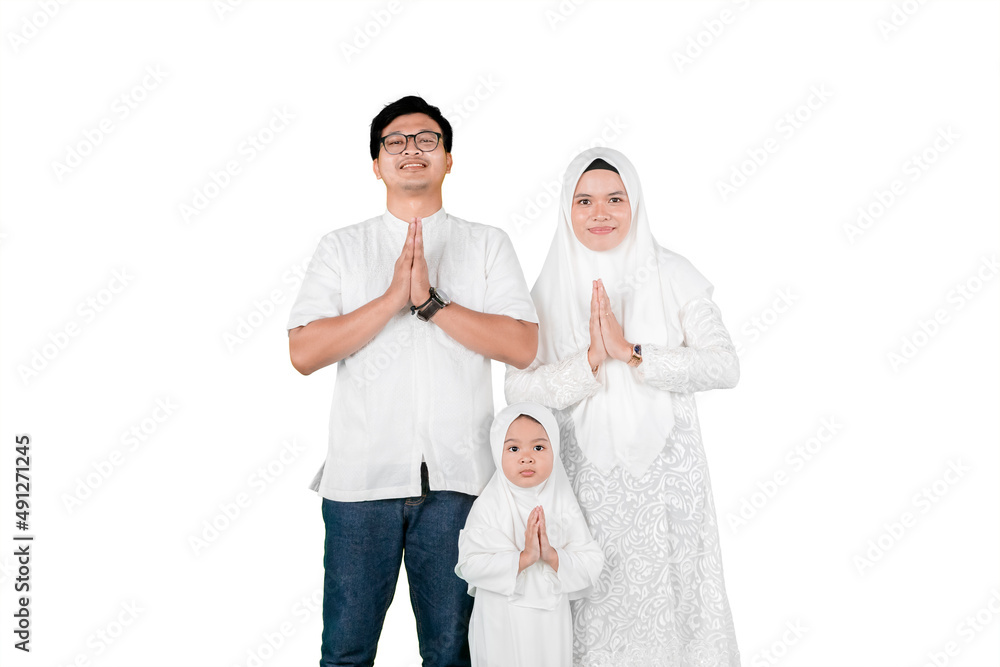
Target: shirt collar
(392, 220)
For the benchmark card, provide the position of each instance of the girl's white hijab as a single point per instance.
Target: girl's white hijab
(499, 516)
(626, 422)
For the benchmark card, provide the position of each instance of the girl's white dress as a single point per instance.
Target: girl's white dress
(524, 620)
(647, 497)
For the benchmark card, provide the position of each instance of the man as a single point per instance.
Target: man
(411, 306)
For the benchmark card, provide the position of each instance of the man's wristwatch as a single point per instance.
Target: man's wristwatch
(427, 309)
(636, 358)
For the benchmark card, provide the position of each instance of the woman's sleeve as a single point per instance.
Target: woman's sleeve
(555, 386)
(483, 564)
(707, 360)
(579, 567)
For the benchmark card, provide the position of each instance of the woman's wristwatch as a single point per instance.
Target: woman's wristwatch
(636, 357)
(427, 309)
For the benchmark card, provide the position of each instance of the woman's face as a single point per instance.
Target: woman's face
(601, 211)
(527, 454)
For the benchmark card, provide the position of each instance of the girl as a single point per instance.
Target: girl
(526, 549)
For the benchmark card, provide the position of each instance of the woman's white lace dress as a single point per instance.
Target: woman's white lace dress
(661, 598)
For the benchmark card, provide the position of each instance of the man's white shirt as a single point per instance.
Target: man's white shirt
(413, 393)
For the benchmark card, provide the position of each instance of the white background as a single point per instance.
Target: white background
(817, 311)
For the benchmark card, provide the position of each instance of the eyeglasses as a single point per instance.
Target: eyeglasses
(425, 141)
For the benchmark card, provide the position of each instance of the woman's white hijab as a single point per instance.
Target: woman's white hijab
(499, 516)
(626, 422)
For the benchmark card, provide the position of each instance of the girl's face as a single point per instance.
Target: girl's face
(601, 212)
(527, 454)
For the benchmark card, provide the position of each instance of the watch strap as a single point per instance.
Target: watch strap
(414, 309)
(636, 357)
(428, 311)
(429, 308)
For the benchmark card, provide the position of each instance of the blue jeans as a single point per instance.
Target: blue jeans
(365, 543)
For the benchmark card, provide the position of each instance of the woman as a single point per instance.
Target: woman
(627, 333)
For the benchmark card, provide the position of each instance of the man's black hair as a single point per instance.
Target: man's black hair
(401, 107)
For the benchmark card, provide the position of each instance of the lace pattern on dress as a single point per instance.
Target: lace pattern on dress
(707, 361)
(556, 386)
(661, 598)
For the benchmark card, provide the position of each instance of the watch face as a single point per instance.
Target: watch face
(442, 297)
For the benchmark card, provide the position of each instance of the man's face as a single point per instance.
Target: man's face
(413, 171)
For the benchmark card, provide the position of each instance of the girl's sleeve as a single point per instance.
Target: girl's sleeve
(706, 360)
(487, 559)
(579, 567)
(556, 386)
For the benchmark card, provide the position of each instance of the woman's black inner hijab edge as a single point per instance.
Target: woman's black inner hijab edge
(600, 163)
